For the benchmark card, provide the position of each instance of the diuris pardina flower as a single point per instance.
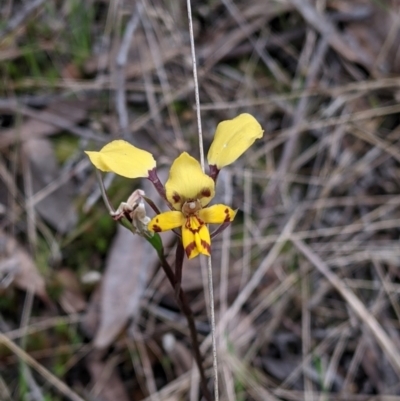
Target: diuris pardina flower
(188, 190)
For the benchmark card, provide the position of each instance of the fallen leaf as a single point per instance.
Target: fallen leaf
(19, 267)
(57, 207)
(128, 267)
(125, 279)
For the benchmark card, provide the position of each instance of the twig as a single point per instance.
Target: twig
(53, 380)
(20, 17)
(327, 30)
(358, 307)
(263, 268)
(55, 119)
(163, 77)
(271, 64)
(294, 132)
(120, 99)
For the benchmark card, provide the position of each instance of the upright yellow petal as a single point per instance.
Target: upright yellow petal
(217, 214)
(188, 182)
(232, 138)
(166, 221)
(122, 158)
(195, 238)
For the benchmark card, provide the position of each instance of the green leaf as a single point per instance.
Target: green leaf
(156, 243)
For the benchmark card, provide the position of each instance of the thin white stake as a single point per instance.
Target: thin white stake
(196, 85)
(212, 318)
(201, 149)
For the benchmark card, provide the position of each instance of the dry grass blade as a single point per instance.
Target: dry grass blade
(329, 31)
(120, 100)
(252, 284)
(45, 373)
(20, 17)
(359, 308)
(319, 193)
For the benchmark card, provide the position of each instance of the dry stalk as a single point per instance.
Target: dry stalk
(201, 149)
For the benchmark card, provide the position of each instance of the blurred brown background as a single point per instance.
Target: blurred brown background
(306, 279)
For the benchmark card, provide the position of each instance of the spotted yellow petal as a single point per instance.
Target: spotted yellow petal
(166, 221)
(195, 237)
(232, 138)
(122, 158)
(217, 214)
(188, 182)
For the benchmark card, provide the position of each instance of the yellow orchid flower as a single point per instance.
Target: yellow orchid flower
(189, 191)
(232, 138)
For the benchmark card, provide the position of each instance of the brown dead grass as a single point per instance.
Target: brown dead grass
(307, 278)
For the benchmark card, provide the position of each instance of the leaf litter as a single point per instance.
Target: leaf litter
(321, 77)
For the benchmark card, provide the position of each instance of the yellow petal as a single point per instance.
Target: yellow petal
(188, 182)
(124, 159)
(195, 238)
(217, 214)
(166, 221)
(203, 240)
(232, 138)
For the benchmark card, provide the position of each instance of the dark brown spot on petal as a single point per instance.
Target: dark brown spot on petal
(156, 228)
(176, 197)
(206, 245)
(190, 248)
(206, 192)
(227, 216)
